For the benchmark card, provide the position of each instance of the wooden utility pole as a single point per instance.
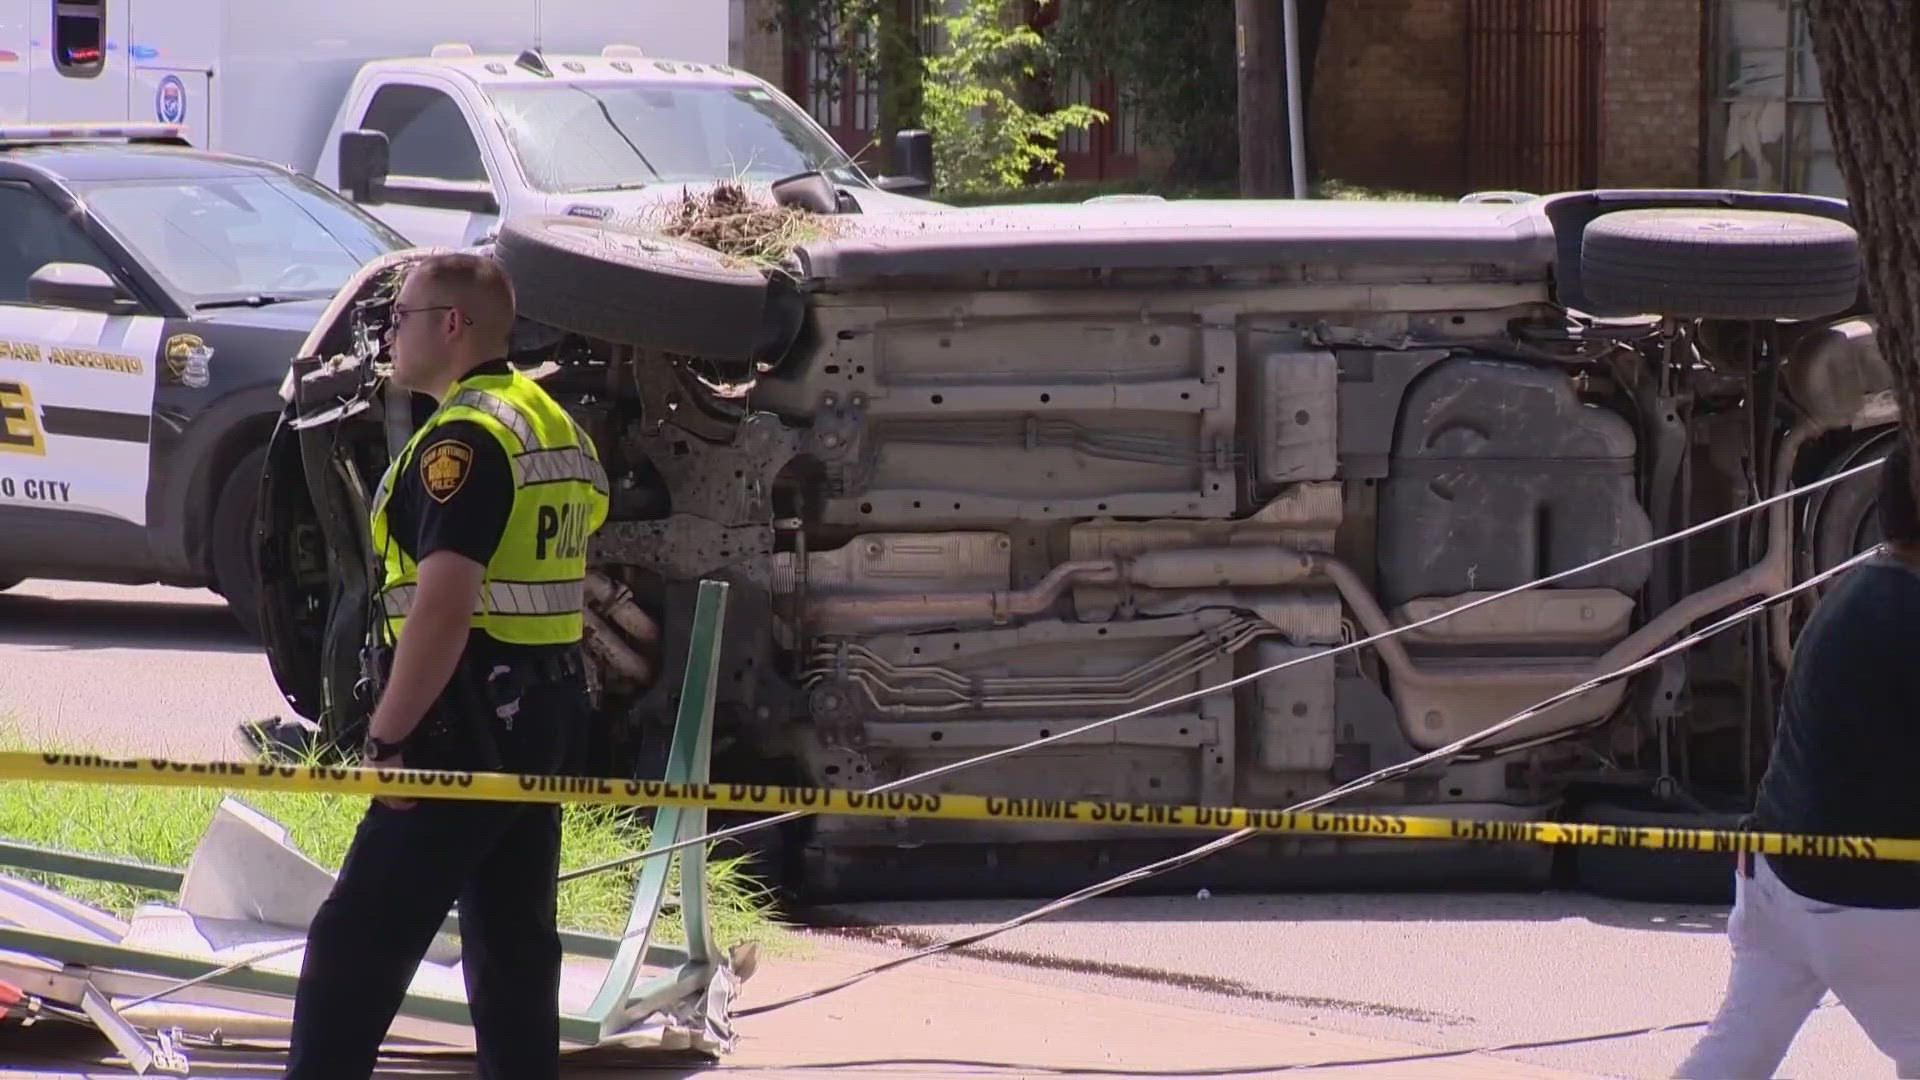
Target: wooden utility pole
(1869, 56)
(1259, 42)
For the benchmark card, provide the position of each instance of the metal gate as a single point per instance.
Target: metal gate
(1535, 73)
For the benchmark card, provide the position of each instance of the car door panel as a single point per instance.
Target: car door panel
(76, 397)
(76, 386)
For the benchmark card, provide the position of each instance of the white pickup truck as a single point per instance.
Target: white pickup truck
(530, 110)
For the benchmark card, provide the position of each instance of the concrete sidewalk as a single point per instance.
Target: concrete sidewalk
(936, 1018)
(942, 1018)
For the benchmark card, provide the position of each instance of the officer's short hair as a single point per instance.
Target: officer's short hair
(1899, 517)
(478, 282)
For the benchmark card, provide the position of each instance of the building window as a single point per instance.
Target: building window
(839, 95)
(1770, 115)
(79, 37)
(842, 97)
(1103, 151)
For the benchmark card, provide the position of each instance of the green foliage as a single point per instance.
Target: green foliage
(843, 30)
(1176, 60)
(975, 92)
(870, 37)
(984, 133)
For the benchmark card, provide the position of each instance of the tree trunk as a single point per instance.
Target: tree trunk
(1259, 52)
(1869, 55)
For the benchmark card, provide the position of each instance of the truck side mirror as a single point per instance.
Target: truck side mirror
(80, 286)
(364, 159)
(913, 158)
(809, 191)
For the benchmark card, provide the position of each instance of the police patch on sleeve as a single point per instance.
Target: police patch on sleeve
(444, 468)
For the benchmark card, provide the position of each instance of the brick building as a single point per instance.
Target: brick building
(1449, 96)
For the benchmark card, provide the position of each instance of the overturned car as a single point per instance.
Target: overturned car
(978, 476)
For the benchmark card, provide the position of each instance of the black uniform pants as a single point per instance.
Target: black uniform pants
(403, 873)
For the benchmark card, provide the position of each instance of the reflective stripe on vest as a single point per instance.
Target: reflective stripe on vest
(566, 463)
(509, 417)
(501, 598)
(533, 589)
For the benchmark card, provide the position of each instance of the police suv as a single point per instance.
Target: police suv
(151, 295)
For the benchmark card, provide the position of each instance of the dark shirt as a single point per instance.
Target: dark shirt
(1848, 742)
(455, 493)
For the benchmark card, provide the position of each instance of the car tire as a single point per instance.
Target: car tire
(633, 287)
(1844, 518)
(1719, 264)
(230, 540)
(1651, 874)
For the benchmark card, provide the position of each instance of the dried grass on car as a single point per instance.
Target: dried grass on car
(732, 220)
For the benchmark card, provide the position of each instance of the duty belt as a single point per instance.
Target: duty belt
(558, 665)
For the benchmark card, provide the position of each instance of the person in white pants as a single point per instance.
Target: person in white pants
(1788, 951)
(1844, 755)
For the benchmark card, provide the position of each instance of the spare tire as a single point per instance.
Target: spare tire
(632, 287)
(1709, 263)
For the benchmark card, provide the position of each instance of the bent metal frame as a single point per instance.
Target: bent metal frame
(93, 971)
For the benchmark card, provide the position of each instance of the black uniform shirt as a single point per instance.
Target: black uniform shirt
(455, 494)
(1849, 738)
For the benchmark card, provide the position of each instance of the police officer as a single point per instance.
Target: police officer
(481, 524)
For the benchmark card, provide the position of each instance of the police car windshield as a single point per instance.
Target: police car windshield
(575, 137)
(221, 240)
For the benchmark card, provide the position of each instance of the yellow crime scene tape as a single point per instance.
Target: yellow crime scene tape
(513, 787)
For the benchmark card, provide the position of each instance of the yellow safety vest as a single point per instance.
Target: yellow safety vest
(534, 584)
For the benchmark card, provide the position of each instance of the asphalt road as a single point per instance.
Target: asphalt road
(1445, 970)
(116, 670)
(164, 671)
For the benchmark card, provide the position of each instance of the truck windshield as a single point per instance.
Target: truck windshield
(241, 237)
(575, 137)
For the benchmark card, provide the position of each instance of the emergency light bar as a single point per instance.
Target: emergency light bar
(21, 133)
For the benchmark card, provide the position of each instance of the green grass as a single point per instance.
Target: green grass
(163, 825)
(1073, 191)
(1336, 189)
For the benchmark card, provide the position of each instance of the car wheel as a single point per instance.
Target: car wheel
(633, 287)
(230, 540)
(1720, 264)
(1653, 874)
(1844, 519)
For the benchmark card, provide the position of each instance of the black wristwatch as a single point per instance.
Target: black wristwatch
(374, 749)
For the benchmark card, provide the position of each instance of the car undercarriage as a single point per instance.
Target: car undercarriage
(979, 477)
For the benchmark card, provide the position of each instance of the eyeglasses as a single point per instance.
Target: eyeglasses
(400, 313)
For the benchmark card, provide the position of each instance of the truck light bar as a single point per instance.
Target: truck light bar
(78, 132)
